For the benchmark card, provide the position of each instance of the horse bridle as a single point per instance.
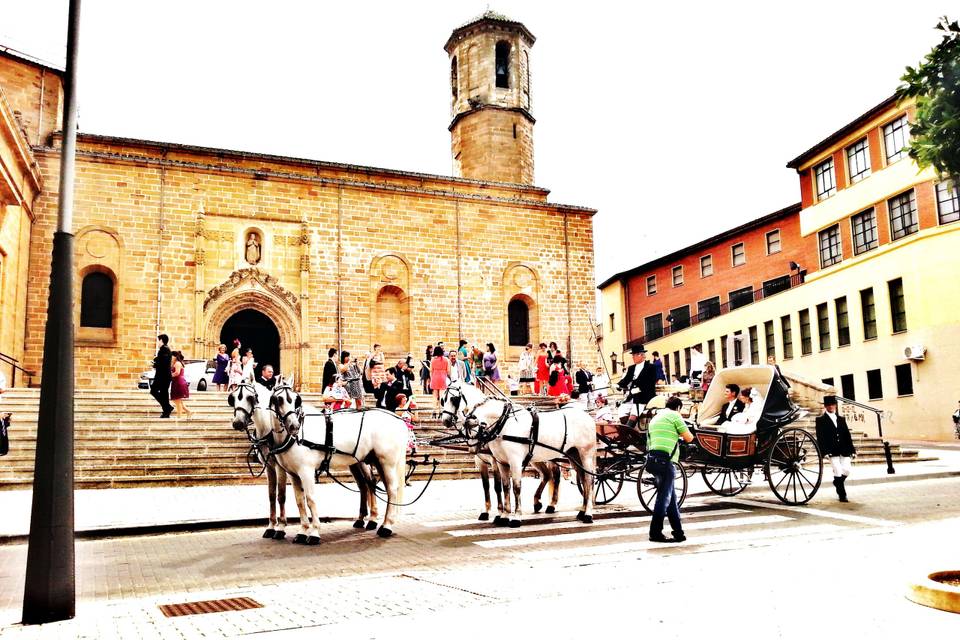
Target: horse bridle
(275, 406)
(248, 415)
(456, 400)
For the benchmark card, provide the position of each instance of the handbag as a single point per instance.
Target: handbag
(4, 435)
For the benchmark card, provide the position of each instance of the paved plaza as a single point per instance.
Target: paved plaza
(749, 558)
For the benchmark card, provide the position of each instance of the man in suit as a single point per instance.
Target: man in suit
(330, 369)
(835, 441)
(386, 393)
(733, 405)
(639, 383)
(266, 377)
(160, 387)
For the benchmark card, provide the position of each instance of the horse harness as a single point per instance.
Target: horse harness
(485, 437)
(327, 447)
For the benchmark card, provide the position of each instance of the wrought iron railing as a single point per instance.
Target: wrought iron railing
(14, 367)
(710, 311)
(879, 414)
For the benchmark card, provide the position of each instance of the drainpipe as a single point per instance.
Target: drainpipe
(566, 251)
(339, 271)
(161, 228)
(43, 73)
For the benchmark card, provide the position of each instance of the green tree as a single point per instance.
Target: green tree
(935, 84)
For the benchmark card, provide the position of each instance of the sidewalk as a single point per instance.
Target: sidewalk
(110, 512)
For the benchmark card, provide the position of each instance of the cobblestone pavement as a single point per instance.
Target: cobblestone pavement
(451, 563)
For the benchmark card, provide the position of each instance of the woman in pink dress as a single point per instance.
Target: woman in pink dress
(179, 387)
(439, 370)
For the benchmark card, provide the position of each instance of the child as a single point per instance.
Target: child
(513, 386)
(405, 408)
(338, 393)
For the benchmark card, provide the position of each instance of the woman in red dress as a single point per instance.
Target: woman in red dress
(543, 371)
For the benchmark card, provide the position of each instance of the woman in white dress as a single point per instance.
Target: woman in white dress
(248, 364)
(746, 420)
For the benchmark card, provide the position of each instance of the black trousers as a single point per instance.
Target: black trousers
(160, 390)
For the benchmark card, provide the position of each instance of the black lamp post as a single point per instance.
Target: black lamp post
(49, 592)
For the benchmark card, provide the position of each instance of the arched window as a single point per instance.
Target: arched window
(453, 76)
(503, 64)
(518, 322)
(96, 301)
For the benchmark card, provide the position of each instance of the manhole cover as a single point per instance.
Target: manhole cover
(209, 606)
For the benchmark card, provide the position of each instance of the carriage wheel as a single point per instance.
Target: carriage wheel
(607, 483)
(647, 486)
(794, 467)
(726, 482)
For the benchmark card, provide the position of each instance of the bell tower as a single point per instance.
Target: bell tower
(491, 133)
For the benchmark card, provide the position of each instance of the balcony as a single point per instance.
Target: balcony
(737, 300)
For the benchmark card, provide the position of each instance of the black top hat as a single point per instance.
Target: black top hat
(637, 349)
(829, 400)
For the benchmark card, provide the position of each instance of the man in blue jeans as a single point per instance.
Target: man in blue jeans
(663, 450)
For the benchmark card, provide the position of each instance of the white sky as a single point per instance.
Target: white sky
(674, 119)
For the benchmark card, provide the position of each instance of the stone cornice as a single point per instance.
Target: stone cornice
(301, 178)
(463, 114)
(24, 164)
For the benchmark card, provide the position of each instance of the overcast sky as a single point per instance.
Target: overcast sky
(674, 119)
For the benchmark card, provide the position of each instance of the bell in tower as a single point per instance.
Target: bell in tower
(492, 127)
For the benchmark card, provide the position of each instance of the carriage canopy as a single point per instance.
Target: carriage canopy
(774, 392)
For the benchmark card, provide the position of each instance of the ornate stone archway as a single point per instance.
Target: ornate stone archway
(253, 289)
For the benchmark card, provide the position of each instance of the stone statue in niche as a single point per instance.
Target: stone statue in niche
(254, 243)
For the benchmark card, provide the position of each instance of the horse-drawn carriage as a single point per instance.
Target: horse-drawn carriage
(727, 454)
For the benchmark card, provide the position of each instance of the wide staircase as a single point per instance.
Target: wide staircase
(120, 441)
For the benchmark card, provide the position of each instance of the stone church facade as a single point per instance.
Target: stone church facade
(295, 256)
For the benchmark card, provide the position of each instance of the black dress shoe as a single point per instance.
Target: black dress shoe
(678, 537)
(659, 537)
(164, 415)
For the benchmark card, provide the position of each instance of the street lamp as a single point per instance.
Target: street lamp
(49, 592)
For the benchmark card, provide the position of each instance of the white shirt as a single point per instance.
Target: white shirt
(833, 416)
(697, 360)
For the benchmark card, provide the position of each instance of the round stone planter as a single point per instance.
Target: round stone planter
(940, 590)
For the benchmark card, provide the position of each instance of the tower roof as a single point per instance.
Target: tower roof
(488, 17)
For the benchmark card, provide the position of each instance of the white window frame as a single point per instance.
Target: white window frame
(709, 256)
(733, 254)
(678, 269)
(652, 280)
(766, 238)
(851, 177)
(901, 154)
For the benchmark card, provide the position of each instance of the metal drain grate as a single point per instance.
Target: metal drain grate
(209, 606)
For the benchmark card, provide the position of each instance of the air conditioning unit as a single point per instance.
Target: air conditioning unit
(915, 352)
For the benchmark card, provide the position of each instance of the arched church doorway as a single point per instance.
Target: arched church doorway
(393, 321)
(256, 331)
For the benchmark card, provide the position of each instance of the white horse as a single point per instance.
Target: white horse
(375, 437)
(251, 403)
(569, 432)
(276, 476)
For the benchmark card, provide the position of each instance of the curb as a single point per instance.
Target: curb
(173, 527)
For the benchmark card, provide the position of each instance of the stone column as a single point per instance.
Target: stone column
(304, 346)
(199, 259)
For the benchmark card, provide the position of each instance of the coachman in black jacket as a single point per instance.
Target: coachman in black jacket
(835, 441)
(640, 382)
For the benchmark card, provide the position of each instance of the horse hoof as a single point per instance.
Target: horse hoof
(580, 516)
(587, 519)
(358, 524)
(514, 524)
(269, 533)
(371, 525)
(384, 532)
(537, 506)
(484, 516)
(500, 521)
(551, 509)
(279, 535)
(313, 541)
(300, 539)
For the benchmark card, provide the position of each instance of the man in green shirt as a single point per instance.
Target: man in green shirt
(663, 450)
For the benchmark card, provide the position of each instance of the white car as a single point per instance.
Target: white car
(199, 375)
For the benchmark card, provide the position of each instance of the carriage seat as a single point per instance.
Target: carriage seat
(734, 427)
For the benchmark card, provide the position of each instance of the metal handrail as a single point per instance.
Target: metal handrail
(714, 311)
(14, 364)
(879, 413)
